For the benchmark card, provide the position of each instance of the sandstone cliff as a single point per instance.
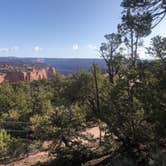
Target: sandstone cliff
(28, 75)
(2, 78)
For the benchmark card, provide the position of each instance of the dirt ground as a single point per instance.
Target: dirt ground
(32, 159)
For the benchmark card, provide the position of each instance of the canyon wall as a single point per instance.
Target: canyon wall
(2, 78)
(29, 75)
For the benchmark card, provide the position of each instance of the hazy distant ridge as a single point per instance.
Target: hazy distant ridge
(64, 65)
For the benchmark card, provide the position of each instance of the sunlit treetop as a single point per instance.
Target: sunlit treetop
(156, 8)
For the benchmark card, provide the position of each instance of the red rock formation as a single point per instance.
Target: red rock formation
(29, 75)
(14, 76)
(2, 78)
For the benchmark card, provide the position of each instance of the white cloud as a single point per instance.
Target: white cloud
(75, 47)
(142, 52)
(4, 49)
(36, 49)
(92, 47)
(14, 49)
(9, 50)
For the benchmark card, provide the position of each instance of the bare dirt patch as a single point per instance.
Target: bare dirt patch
(44, 156)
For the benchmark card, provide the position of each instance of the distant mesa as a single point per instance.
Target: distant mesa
(25, 74)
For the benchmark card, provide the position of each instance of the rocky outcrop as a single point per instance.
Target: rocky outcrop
(28, 75)
(2, 78)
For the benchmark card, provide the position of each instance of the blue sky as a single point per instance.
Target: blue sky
(58, 28)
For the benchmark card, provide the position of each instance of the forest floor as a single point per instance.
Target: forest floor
(43, 156)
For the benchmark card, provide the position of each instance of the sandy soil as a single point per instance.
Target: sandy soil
(32, 159)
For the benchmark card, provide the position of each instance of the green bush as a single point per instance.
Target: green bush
(5, 142)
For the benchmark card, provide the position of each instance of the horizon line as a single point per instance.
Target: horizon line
(48, 57)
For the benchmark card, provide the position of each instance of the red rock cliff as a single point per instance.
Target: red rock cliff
(2, 78)
(29, 75)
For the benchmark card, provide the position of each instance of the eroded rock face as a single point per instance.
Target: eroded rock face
(29, 75)
(2, 78)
